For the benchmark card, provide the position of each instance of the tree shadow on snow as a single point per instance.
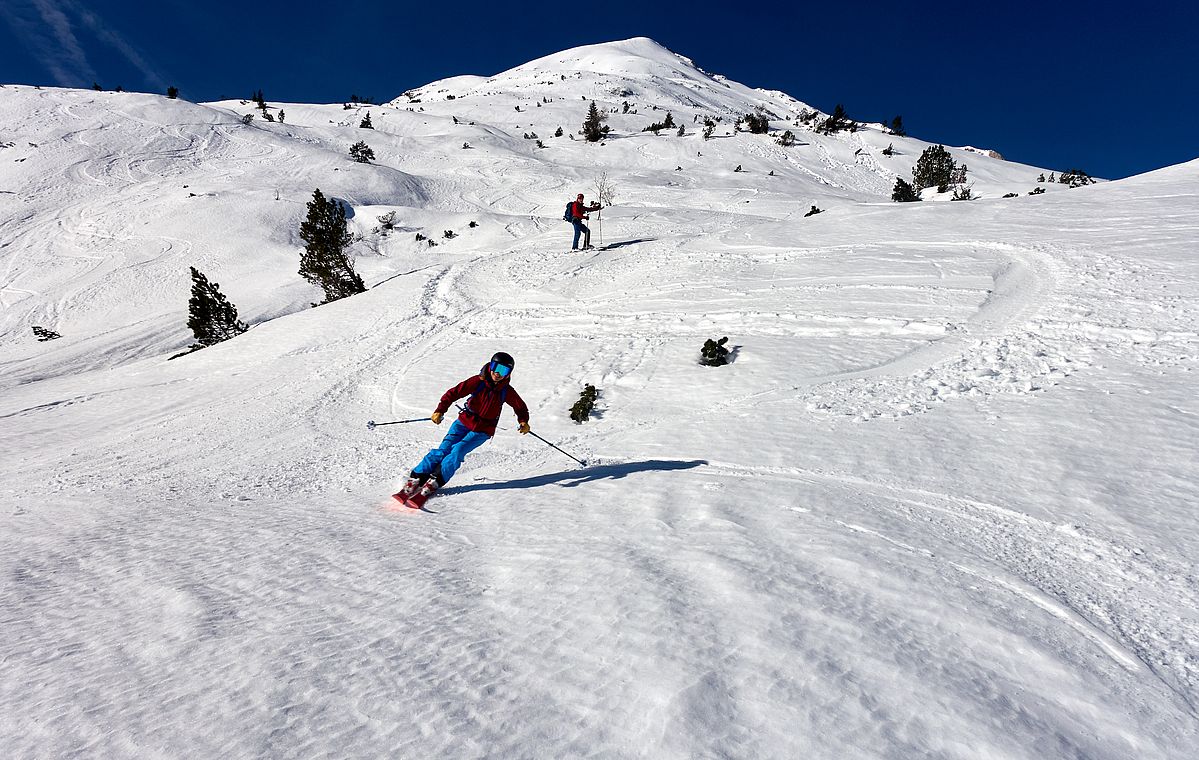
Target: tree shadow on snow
(574, 478)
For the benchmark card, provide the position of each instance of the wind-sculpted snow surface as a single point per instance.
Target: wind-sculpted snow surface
(939, 504)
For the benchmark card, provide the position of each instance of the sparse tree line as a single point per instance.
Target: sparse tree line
(326, 262)
(936, 168)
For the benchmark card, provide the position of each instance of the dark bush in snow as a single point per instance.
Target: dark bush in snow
(714, 354)
(757, 123)
(1076, 178)
(44, 335)
(581, 411)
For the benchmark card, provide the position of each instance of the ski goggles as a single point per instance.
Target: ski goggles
(500, 369)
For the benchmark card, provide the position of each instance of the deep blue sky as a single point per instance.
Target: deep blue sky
(1112, 89)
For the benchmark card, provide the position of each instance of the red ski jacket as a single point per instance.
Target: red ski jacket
(486, 402)
(577, 210)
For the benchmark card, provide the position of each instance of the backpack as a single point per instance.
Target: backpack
(568, 216)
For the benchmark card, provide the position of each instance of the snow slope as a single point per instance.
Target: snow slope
(941, 504)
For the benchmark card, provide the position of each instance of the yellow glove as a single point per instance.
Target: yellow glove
(524, 428)
(436, 417)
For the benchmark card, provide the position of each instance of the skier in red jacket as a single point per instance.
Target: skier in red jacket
(489, 391)
(577, 211)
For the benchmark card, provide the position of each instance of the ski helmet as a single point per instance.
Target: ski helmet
(501, 359)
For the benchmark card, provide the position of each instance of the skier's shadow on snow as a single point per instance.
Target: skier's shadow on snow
(622, 244)
(574, 478)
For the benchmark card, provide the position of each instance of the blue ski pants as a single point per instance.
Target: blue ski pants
(580, 229)
(458, 442)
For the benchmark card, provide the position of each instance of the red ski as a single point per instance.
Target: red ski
(414, 494)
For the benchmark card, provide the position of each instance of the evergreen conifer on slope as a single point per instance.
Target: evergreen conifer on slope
(934, 168)
(903, 192)
(326, 260)
(210, 316)
(592, 128)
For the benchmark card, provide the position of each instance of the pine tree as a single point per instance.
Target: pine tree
(366, 122)
(934, 168)
(592, 127)
(361, 152)
(709, 128)
(897, 127)
(837, 122)
(326, 261)
(903, 192)
(172, 92)
(210, 316)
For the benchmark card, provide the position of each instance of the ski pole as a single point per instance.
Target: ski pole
(552, 446)
(371, 424)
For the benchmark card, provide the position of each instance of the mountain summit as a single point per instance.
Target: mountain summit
(638, 68)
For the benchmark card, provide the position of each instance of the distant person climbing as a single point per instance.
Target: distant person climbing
(576, 212)
(489, 391)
